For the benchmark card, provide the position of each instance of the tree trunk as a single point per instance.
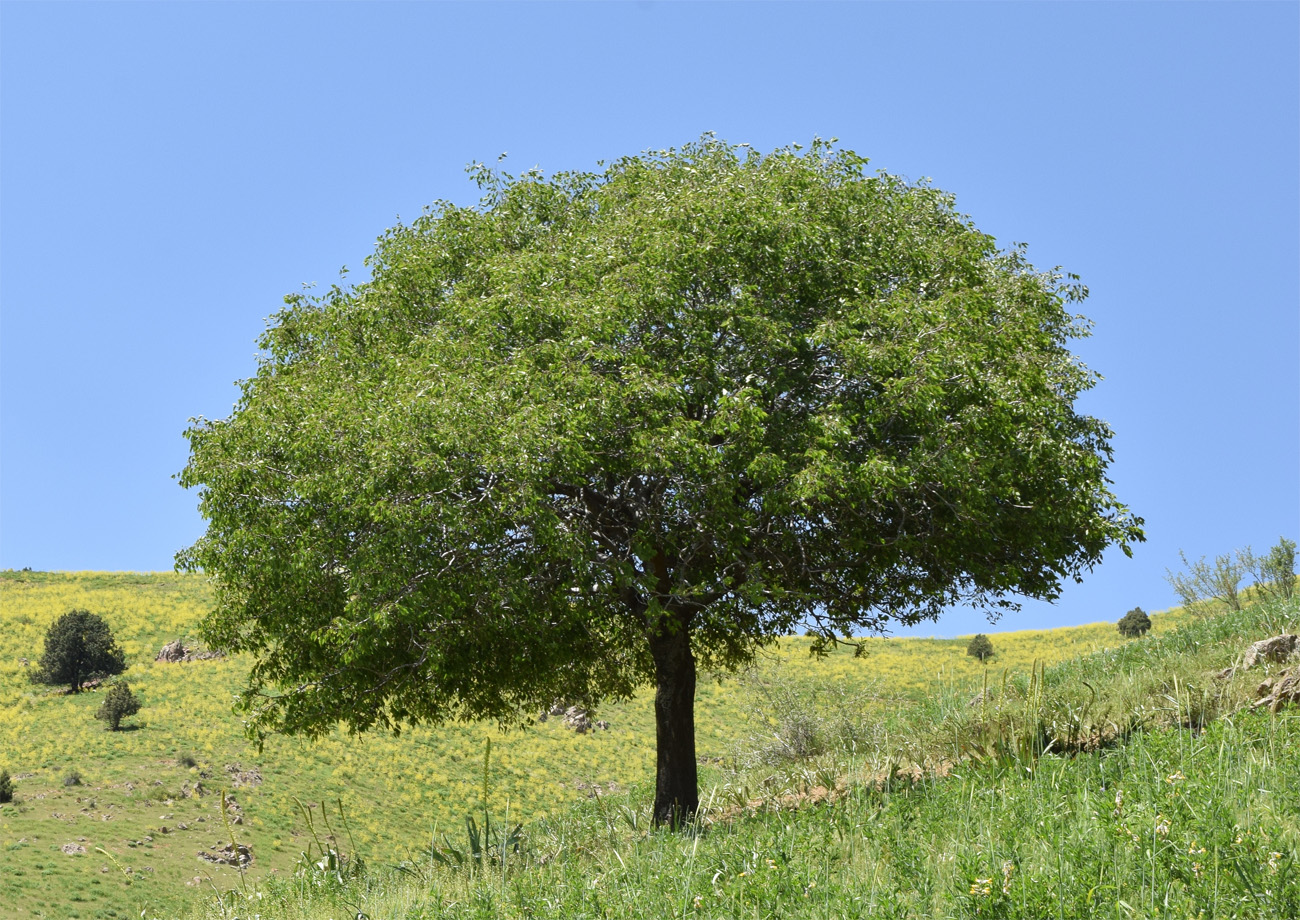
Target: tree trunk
(676, 794)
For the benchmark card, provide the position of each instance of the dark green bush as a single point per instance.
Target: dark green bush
(119, 702)
(6, 787)
(980, 647)
(79, 647)
(1134, 623)
(72, 779)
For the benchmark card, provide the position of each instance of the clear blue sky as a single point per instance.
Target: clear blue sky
(169, 171)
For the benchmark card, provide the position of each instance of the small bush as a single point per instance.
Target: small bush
(1134, 623)
(980, 647)
(118, 703)
(188, 762)
(72, 779)
(6, 787)
(798, 721)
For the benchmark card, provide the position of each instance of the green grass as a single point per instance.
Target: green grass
(1191, 808)
(905, 705)
(1206, 828)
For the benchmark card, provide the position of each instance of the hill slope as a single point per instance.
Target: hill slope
(142, 826)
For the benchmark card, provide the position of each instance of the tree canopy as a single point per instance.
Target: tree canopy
(79, 647)
(606, 427)
(980, 646)
(1134, 623)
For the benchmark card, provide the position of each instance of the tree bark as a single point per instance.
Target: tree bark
(676, 793)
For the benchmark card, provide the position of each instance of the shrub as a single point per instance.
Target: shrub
(1203, 586)
(798, 721)
(1134, 623)
(6, 787)
(79, 647)
(118, 703)
(1274, 573)
(980, 647)
(72, 779)
(187, 761)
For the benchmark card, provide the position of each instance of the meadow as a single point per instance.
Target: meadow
(141, 822)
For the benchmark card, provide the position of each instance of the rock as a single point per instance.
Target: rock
(172, 651)
(578, 719)
(557, 709)
(1225, 674)
(1279, 691)
(239, 856)
(241, 777)
(74, 849)
(603, 725)
(176, 652)
(1278, 649)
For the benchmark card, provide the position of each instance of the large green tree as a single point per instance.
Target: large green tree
(606, 428)
(79, 647)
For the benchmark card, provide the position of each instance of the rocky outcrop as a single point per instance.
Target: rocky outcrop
(1280, 690)
(172, 651)
(1277, 649)
(176, 651)
(229, 854)
(578, 719)
(241, 777)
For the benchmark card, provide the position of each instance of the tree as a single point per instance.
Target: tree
(1134, 623)
(119, 702)
(79, 647)
(606, 428)
(1202, 587)
(1274, 572)
(980, 647)
(6, 787)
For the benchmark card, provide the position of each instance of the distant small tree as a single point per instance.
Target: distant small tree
(980, 647)
(118, 703)
(79, 647)
(1134, 623)
(6, 787)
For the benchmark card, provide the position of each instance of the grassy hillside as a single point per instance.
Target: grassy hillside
(910, 704)
(1191, 808)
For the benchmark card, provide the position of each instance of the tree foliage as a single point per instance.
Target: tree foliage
(1274, 572)
(606, 427)
(119, 702)
(79, 647)
(981, 647)
(1203, 587)
(6, 787)
(1134, 623)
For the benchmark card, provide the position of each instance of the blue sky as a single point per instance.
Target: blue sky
(169, 172)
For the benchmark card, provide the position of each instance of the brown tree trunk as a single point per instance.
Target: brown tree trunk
(676, 794)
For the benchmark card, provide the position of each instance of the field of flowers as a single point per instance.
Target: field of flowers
(135, 824)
